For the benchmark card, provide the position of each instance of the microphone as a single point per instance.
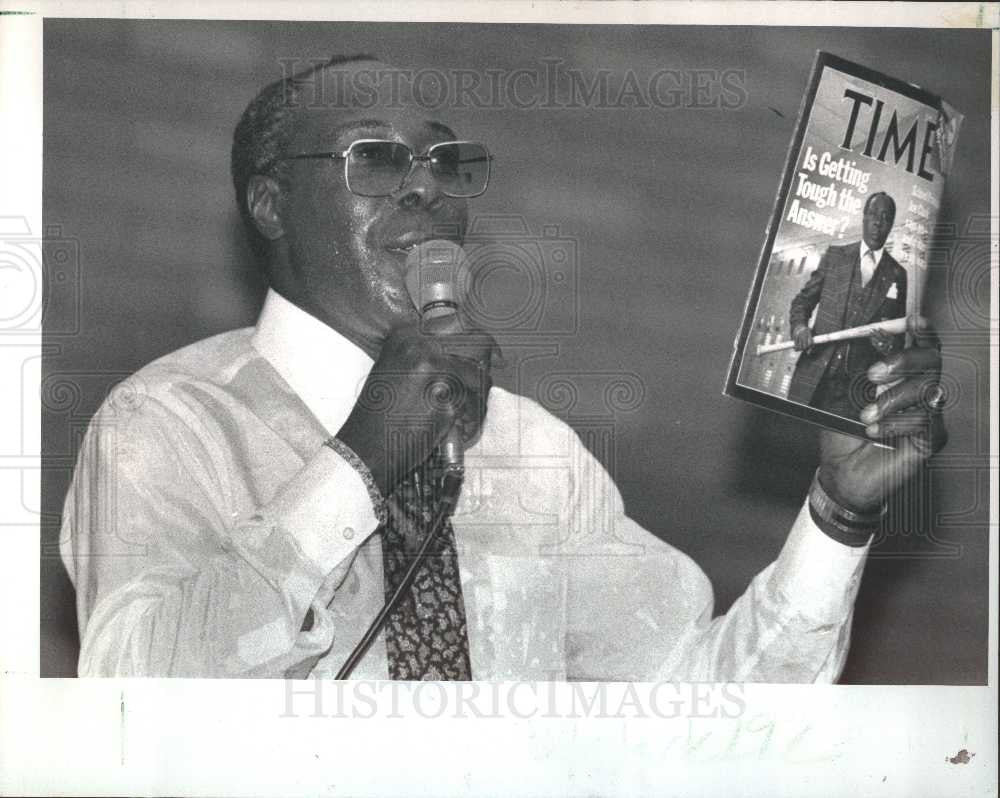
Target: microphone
(436, 275)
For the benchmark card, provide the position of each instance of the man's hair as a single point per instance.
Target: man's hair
(892, 202)
(264, 131)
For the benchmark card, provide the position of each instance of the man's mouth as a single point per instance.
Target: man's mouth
(405, 243)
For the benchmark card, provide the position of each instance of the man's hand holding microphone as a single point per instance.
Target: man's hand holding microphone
(430, 384)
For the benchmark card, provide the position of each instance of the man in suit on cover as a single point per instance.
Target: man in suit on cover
(855, 284)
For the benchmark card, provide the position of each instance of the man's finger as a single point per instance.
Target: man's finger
(881, 339)
(473, 415)
(915, 392)
(477, 350)
(457, 379)
(923, 332)
(447, 393)
(914, 450)
(909, 362)
(908, 422)
(472, 344)
(473, 373)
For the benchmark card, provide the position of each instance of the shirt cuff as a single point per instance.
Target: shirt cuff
(326, 509)
(816, 574)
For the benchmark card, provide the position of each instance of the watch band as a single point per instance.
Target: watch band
(837, 522)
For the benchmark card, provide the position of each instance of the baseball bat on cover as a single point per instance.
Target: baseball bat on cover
(892, 326)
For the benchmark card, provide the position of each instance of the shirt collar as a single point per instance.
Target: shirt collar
(325, 369)
(876, 252)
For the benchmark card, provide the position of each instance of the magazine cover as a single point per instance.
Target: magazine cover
(844, 263)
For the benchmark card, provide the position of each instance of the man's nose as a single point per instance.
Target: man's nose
(420, 189)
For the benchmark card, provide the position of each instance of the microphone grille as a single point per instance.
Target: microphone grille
(436, 274)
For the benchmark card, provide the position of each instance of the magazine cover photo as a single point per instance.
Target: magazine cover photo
(843, 279)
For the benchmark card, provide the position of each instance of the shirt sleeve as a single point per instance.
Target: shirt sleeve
(640, 610)
(171, 582)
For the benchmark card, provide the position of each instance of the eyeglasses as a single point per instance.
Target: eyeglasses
(379, 167)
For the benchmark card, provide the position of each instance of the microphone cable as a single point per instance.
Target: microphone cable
(451, 486)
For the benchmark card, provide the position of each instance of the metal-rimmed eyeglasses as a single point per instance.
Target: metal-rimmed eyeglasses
(380, 167)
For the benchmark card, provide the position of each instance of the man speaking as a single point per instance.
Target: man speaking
(248, 508)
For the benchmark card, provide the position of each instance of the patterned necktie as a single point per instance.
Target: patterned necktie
(867, 267)
(425, 636)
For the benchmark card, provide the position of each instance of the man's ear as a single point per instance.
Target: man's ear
(263, 201)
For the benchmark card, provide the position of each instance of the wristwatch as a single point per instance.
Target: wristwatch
(837, 522)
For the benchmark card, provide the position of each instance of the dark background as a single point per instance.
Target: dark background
(667, 210)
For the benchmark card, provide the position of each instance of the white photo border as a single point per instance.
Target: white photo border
(228, 737)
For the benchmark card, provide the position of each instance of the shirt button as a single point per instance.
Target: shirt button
(348, 533)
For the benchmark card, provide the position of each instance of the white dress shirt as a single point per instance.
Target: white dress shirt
(206, 519)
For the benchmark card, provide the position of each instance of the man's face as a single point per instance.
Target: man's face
(877, 222)
(346, 253)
